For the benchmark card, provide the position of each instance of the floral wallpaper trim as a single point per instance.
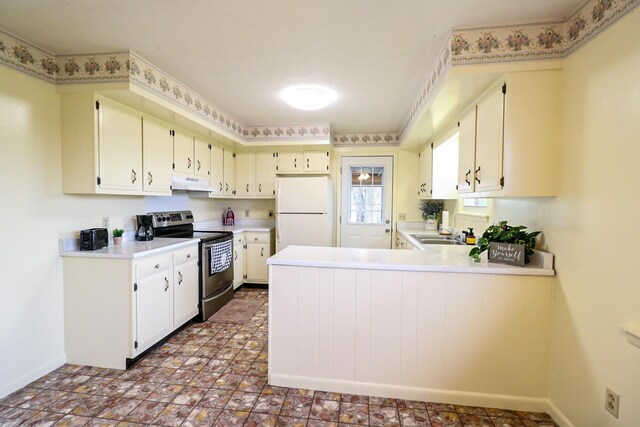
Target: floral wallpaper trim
(524, 42)
(299, 132)
(148, 76)
(27, 58)
(380, 138)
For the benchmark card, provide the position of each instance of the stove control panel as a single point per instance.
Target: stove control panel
(171, 218)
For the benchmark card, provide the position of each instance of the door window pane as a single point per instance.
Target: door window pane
(366, 194)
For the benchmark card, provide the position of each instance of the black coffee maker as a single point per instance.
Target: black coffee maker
(145, 227)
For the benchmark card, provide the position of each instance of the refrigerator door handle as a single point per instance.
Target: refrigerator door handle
(278, 228)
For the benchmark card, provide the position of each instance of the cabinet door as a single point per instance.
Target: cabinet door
(257, 268)
(265, 174)
(183, 153)
(185, 292)
(245, 173)
(489, 142)
(217, 168)
(157, 156)
(290, 162)
(154, 309)
(202, 164)
(426, 182)
(120, 147)
(229, 173)
(467, 152)
(239, 267)
(316, 161)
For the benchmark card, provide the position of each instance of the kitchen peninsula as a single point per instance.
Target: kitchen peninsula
(422, 325)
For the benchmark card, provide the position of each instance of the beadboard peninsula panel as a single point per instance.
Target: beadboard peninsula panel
(472, 339)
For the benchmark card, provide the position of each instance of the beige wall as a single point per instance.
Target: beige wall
(36, 215)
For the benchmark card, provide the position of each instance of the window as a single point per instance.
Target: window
(366, 195)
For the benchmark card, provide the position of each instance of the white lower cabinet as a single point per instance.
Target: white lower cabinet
(251, 250)
(117, 308)
(185, 288)
(239, 266)
(154, 311)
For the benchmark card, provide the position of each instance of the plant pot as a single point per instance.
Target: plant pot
(117, 240)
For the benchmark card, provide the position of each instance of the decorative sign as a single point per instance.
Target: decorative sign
(506, 253)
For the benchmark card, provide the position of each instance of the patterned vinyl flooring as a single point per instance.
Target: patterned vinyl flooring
(215, 374)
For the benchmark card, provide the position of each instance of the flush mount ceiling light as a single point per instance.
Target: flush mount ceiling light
(308, 97)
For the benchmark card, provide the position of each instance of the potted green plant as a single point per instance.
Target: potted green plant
(431, 210)
(504, 233)
(117, 236)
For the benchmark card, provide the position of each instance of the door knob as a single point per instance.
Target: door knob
(387, 230)
(387, 222)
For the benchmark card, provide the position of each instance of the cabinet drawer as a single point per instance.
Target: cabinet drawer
(238, 239)
(185, 255)
(151, 265)
(257, 237)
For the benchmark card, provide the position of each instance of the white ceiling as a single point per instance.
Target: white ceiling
(239, 54)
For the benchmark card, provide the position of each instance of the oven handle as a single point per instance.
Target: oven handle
(208, 245)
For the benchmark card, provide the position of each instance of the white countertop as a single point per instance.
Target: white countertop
(440, 258)
(128, 249)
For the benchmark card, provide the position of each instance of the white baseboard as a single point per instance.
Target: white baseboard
(29, 377)
(519, 403)
(558, 416)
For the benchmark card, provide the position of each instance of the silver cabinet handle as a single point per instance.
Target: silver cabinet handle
(188, 163)
(180, 281)
(188, 256)
(247, 188)
(199, 165)
(261, 251)
(226, 186)
(307, 163)
(260, 188)
(221, 187)
(157, 266)
(134, 176)
(476, 174)
(150, 178)
(166, 284)
(295, 163)
(236, 255)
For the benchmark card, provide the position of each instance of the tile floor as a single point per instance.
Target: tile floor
(215, 374)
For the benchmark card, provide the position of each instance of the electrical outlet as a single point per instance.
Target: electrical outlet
(270, 213)
(246, 213)
(105, 222)
(402, 217)
(612, 402)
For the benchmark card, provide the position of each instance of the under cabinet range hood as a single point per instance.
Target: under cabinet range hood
(188, 183)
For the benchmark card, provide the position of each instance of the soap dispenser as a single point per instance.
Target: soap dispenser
(470, 237)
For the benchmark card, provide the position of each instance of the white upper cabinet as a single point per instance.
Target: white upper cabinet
(265, 174)
(229, 172)
(120, 144)
(183, 152)
(316, 161)
(467, 151)
(290, 162)
(489, 141)
(202, 166)
(245, 173)
(157, 156)
(514, 130)
(426, 183)
(217, 171)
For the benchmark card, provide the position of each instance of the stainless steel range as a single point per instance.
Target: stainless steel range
(215, 260)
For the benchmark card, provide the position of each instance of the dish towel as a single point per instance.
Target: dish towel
(220, 256)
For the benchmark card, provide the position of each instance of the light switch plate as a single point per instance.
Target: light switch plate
(246, 213)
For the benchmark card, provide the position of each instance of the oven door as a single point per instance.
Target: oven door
(217, 265)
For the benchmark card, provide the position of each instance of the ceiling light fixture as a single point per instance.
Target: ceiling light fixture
(308, 97)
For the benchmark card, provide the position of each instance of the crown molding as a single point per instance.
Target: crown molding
(464, 46)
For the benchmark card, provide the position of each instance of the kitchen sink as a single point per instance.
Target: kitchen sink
(427, 239)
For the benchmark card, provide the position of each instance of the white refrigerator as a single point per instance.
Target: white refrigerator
(304, 211)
